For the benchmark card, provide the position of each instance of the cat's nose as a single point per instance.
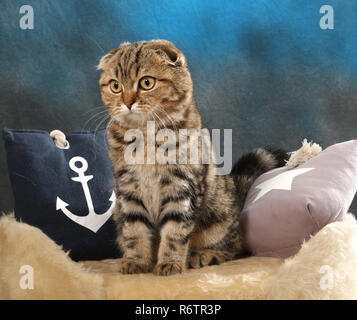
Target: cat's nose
(129, 99)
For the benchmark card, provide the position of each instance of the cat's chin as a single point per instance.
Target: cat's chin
(133, 120)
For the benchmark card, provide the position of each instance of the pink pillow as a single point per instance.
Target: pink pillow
(286, 206)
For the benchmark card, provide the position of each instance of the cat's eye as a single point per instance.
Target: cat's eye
(115, 86)
(147, 83)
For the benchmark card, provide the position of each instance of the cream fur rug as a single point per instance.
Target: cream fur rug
(325, 268)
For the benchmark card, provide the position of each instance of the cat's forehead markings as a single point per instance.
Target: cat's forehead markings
(137, 70)
(125, 63)
(119, 69)
(138, 52)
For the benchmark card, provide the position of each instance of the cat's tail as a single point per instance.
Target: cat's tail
(251, 165)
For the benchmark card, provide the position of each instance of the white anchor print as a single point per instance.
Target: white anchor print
(92, 221)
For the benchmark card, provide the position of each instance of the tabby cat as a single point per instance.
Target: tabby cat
(169, 216)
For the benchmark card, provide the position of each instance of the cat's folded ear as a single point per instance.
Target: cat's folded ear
(168, 51)
(105, 59)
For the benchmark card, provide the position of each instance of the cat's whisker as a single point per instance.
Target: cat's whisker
(97, 128)
(102, 107)
(102, 118)
(109, 124)
(98, 114)
(161, 109)
(162, 122)
(153, 118)
(100, 123)
(168, 117)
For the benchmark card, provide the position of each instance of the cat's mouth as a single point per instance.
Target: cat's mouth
(133, 117)
(133, 110)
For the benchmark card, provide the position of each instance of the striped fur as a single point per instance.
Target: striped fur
(168, 216)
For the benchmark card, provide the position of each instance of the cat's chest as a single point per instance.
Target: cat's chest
(150, 189)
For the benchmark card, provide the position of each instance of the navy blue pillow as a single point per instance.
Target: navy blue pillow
(67, 193)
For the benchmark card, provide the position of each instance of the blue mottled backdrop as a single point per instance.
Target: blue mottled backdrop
(264, 68)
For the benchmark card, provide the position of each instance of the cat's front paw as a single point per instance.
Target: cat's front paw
(127, 266)
(168, 268)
